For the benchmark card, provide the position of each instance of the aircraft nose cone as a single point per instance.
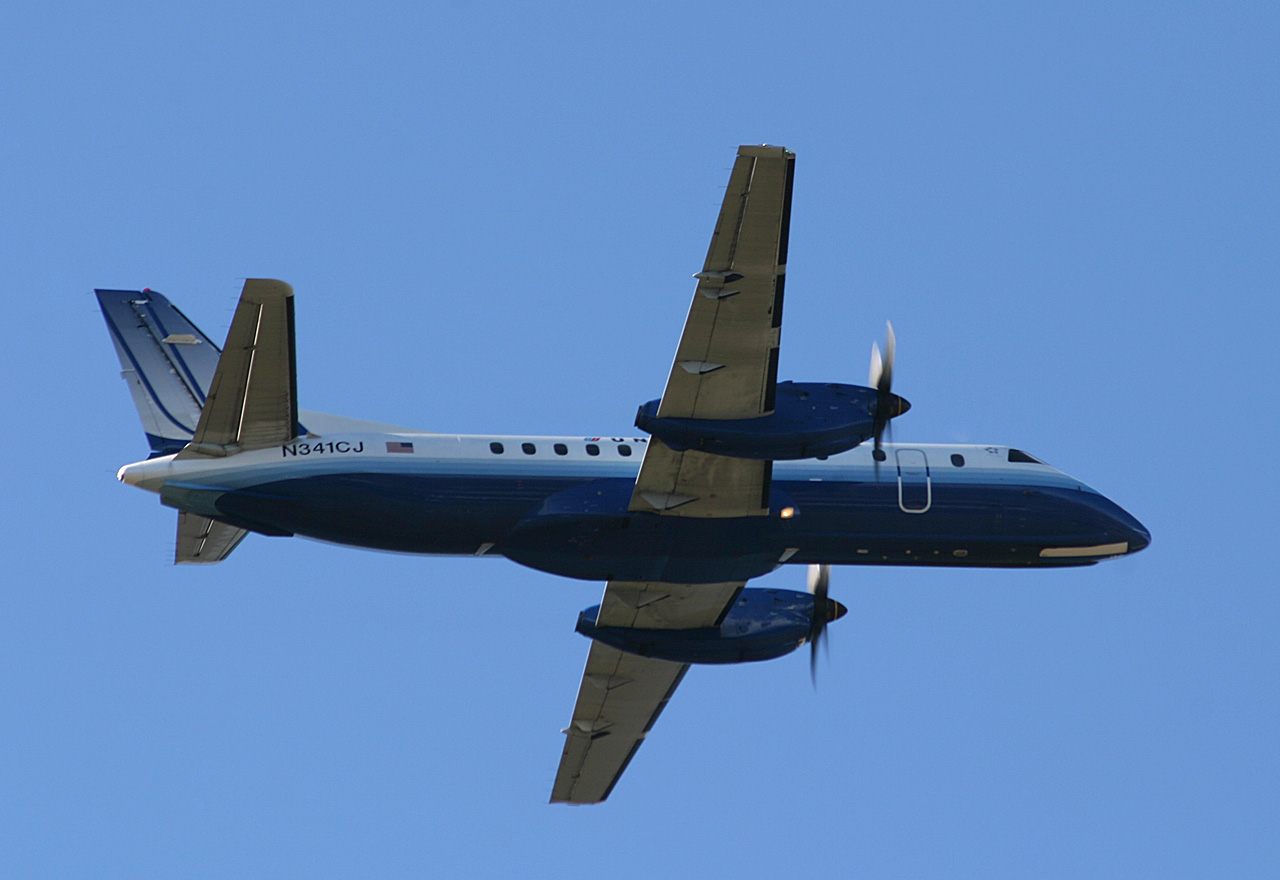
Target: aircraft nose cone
(1126, 527)
(1099, 527)
(1139, 537)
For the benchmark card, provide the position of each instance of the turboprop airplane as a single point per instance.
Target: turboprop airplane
(738, 474)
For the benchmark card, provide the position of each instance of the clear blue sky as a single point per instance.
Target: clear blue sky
(490, 213)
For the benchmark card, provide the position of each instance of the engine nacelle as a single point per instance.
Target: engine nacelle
(761, 625)
(810, 420)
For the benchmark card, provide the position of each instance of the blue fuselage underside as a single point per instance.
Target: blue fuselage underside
(837, 522)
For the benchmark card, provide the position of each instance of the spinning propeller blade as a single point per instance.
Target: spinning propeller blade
(880, 377)
(825, 610)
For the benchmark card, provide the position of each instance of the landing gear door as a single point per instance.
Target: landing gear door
(915, 488)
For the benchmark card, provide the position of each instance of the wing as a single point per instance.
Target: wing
(620, 698)
(622, 695)
(253, 397)
(726, 366)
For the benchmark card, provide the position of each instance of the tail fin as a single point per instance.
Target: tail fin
(194, 401)
(167, 361)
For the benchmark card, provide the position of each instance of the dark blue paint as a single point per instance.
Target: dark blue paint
(580, 528)
(164, 445)
(809, 420)
(761, 624)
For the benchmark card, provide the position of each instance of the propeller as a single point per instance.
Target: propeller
(888, 405)
(825, 610)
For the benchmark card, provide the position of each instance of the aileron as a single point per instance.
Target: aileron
(620, 698)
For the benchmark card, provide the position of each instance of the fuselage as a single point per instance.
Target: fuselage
(560, 504)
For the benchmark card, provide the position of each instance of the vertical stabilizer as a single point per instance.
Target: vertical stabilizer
(167, 361)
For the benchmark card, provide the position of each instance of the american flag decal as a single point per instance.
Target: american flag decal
(399, 447)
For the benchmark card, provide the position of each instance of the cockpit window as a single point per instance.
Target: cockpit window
(1019, 456)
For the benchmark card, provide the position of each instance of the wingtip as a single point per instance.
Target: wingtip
(764, 151)
(264, 288)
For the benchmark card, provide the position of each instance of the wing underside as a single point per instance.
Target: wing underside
(726, 367)
(620, 698)
(622, 695)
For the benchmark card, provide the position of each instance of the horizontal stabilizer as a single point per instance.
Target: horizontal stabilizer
(202, 540)
(253, 399)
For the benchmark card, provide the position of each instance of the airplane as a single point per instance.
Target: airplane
(737, 474)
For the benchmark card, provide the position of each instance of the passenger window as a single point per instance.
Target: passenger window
(529, 448)
(624, 449)
(957, 459)
(561, 449)
(593, 449)
(496, 448)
